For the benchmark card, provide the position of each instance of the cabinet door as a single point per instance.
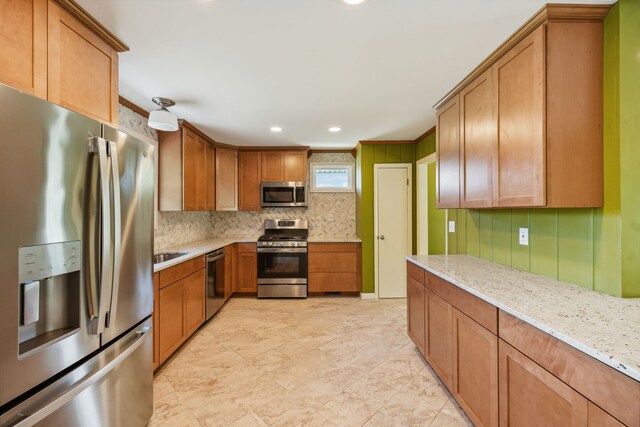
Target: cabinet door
(226, 179)
(249, 176)
(23, 37)
(475, 370)
(295, 166)
(82, 68)
(531, 397)
(415, 313)
(247, 272)
(272, 166)
(171, 324)
(438, 349)
(519, 172)
(599, 418)
(228, 271)
(210, 177)
(189, 142)
(199, 174)
(194, 300)
(477, 143)
(448, 154)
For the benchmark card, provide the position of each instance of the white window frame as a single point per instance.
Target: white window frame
(312, 176)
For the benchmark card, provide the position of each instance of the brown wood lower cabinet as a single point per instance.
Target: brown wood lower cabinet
(247, 260)
(194, 300)
(415, 313)
(171, 313)
(335, 267)
(475, 370)
(515, 375)
(178, 306)
(438, 348)
(531, 397)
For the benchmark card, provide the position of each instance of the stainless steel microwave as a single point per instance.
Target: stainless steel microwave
(283, 194)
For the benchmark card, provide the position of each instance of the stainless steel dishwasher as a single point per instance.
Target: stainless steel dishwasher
(215, 282)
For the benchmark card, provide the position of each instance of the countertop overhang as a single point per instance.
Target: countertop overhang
(606, 328)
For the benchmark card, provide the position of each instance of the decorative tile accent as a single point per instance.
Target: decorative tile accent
(175, 228)
(134, 121)
(321, 206)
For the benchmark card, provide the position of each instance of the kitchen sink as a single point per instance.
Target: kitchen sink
(158, 258)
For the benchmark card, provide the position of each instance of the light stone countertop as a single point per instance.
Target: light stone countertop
(602, 326)
(334, 239)
(198, 248)
(201, 247)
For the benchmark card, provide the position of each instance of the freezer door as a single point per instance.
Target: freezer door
(44, 303)
(132, 290)
(113, 388)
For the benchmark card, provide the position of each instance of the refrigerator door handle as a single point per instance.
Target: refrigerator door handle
(99, 146)
(117, 235)
(41, 413)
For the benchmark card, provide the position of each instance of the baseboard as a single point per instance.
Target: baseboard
(371, 295)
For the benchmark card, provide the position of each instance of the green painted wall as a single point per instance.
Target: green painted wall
(368, 155)
(436, 217)
(595, 248)
(629, 96)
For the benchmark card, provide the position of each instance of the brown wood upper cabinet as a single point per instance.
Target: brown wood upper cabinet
(448, 154)
(226, 179)
(187, 171)
(284, 166)
(477, 138)
(56, 51)
(249, 178)
(528, 127)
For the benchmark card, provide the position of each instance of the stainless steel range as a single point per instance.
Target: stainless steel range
(282, 259)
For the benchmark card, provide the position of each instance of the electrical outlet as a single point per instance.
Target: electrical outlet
(452, 226)
(524, 236)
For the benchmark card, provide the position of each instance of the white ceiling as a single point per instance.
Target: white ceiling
(238, 67)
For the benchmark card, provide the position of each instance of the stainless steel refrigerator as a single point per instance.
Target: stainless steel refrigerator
(76, 285)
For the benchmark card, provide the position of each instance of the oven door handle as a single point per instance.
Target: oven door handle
(281, 250)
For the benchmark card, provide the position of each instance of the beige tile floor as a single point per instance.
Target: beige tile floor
(318, 362)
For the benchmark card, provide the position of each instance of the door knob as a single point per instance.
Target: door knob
(381, 237)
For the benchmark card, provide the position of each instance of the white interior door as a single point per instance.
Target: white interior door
(392, 220)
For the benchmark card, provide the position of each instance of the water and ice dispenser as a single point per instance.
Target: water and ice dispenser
(49, 278)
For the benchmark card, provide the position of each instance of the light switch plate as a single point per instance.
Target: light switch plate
(452, 226)
(524, 236)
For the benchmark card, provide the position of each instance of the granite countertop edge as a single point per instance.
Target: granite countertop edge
(201, 247)
(575, 343)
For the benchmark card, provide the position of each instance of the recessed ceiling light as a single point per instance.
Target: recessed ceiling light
(276, 129)
(354, 2)
(334, 129)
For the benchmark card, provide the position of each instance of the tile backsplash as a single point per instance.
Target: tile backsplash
(329, 214)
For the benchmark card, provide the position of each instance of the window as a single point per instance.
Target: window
(332, 177)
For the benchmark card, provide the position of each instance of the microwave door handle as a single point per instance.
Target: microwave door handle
(99, 146)
(117, 232)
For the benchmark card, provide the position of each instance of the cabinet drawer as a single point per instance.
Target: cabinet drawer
(332, 247)
(480, 311)
(333, 282)
(611, 390)
(329, 262)
(182, 270)
(246, 247)
(416, 272)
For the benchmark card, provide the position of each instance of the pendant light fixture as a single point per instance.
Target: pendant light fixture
(163, 119)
